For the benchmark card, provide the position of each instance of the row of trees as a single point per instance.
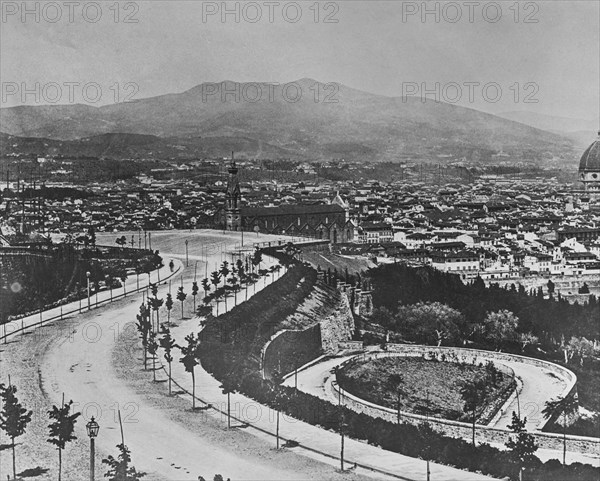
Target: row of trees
(436, 323)
(242, 273)
(15, 418)
(550, 320)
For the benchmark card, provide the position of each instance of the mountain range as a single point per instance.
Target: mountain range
(304, 120)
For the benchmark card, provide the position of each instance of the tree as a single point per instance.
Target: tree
(156, 304)
(430, 322)
(229, 386)
(167, 343)
(123, 278)
(584, 289)
(153, 349)
(396, 383)
(499, 327)
(194, 293)
(190, 360)
(224, 271)
(215, 279)
(565, 406)
(143, 326)
(280, 400)
(527, 338)
(14, 418)
(181, 296)
(119, 469)
(169, 306)
(523, 445)
(62, 429)
(233, 280)
(205, 286)
(472, 393)
(121, 241)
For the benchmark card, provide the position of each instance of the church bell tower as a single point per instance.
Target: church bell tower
(233, 219)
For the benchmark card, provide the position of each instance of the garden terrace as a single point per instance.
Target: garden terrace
(429, 387)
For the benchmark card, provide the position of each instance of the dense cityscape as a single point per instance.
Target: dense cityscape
(330, 241)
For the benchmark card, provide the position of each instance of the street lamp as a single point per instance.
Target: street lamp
(87, 274)
(92, 431)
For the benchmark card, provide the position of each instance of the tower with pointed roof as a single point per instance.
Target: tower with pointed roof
(233, 219)
(589, 168)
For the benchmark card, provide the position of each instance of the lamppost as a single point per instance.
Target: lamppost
(92, 431)
(87, 274)
(187, 264)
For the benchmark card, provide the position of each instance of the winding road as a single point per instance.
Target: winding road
(93, 358)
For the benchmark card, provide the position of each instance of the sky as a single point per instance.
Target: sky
(541, 56)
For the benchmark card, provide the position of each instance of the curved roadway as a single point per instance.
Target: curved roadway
(80, 362)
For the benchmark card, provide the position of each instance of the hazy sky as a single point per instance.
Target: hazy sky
(372, 47)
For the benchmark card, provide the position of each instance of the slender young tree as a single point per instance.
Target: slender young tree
(206, 286)
(153, 349)
(169, 306)
(14, 418)
(522, 446)
(167, 343)
(194, 293)
(190, 360)
(224, 271)
(181, 296)
(144, 327)
(234, 285)
(62, 429)
(156, 304)
(123, 278)
(229, 386)
(280, 400)
(472, 393)
(119, 468)
(565, 406)
(215, 279)
(396, 383)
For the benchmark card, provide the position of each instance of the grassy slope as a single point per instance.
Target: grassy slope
(441, 379)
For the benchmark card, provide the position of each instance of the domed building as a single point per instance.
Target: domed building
(589, 168)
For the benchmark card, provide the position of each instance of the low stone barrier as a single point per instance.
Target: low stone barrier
(483, 434)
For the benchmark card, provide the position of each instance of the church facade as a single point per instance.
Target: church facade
(320, 221)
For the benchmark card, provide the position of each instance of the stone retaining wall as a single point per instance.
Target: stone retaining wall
(580, 444)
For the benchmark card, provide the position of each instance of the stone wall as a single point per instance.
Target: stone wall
(317, 327)
(485, 434)
(337, 327)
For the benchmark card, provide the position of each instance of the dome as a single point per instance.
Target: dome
(590, 160)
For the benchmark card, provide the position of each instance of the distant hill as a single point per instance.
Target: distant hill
(353, 125)
(562, 125)
(133, 146)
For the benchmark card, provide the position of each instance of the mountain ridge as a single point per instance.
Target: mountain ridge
(305, 119)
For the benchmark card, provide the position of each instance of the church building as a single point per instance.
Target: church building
(320, 221)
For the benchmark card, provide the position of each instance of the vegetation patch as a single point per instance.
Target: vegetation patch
(426, 387)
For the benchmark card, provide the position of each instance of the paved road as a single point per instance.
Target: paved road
(538, 385)
(81, 365)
